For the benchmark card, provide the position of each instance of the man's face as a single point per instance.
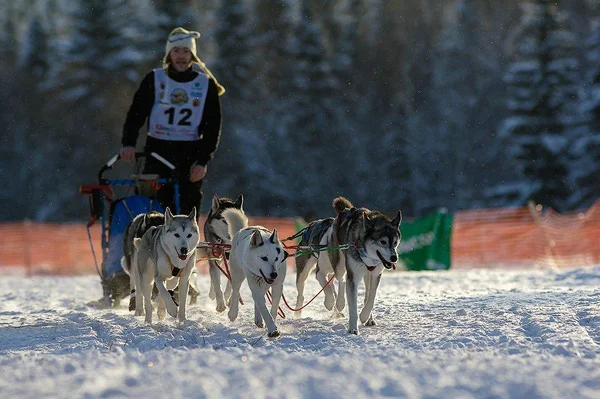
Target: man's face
(181, 58)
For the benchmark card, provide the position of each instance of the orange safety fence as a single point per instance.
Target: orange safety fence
(503, 237)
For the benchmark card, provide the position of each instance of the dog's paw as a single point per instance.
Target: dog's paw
(353, 331)
(221, 307)
(259, 324)
(365, 317)
(172, 311)
(298, 314)
(131, 304)
(161, 313)
(367, 320)
(232, 315)
(337, 315)
(274, 334)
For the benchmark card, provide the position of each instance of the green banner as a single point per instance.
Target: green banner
(425, 243)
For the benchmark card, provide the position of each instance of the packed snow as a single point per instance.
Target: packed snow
(447, 334)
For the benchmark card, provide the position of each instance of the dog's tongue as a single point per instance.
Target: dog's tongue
(183, 257)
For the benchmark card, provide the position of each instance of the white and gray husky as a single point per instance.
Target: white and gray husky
(216, 231)
(167, 252)
(136, 229)
(256, 255)
(372, 240)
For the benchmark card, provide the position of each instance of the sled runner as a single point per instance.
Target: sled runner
(115, 212)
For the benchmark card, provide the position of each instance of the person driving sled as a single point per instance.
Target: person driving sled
(180, 102)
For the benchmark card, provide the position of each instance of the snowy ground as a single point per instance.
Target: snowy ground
(456, 334)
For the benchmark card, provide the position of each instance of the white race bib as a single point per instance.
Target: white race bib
(178, 107)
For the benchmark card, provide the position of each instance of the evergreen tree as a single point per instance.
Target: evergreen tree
(542, 88)
(235, 68)
(587, 162)
(310, 114)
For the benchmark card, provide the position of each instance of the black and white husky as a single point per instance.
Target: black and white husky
(166, 252)
(258, 256)
(136, 229)
(317, 233)
(216, 231)
(372, 240)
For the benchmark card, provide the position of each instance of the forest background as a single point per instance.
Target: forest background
(411, 105)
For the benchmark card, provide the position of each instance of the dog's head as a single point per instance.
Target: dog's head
(181, 233)
(266, 255)
(381, 237)
(215, 220)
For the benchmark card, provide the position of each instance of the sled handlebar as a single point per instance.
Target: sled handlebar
(138, 156)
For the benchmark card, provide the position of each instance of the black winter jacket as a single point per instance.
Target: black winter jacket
(181, 153)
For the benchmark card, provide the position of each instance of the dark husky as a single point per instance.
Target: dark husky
(136, 229)
(216, 231)
(317, 233)
(372, 240)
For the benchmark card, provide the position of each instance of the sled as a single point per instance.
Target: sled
(115, 212)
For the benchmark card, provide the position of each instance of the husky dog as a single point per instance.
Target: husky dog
(136, 229)
(215, 231)
(373, 241)
(256, 255)
(317, 233)
(161, 254)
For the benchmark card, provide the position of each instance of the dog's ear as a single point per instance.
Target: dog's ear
(364, 220)
(168, 216)
(239, 202)
(397, 220)
(285, 255)
(256, 239)
(274, 237)
(215, 203)
(144, 222)
(192, 214)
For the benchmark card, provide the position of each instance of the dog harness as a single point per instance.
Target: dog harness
(175, 271)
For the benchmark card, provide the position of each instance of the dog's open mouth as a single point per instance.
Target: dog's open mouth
(267, 280)
(182, 256)
(387, 264)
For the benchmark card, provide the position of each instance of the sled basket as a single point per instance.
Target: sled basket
(115, 214)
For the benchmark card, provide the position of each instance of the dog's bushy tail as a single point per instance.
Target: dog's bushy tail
(236, 220)
(341, 203)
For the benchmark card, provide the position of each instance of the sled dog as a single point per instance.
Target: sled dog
(215, 231)
(256, 255)
(136, 229)
(317, 233)
(166, 252)
(372, 240)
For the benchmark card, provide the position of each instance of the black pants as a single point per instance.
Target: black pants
(190, 194)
